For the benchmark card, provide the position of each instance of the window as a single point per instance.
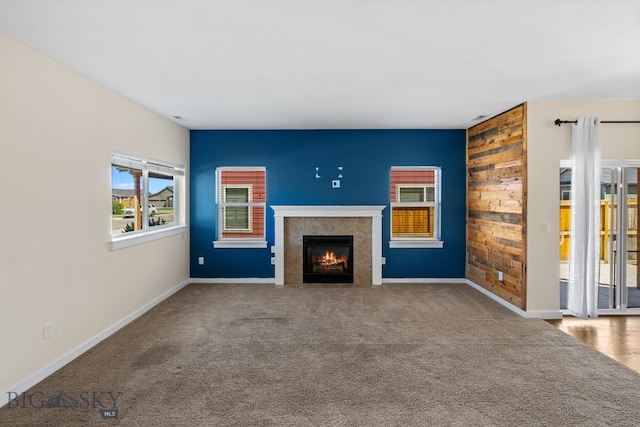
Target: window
(241, 203)
(146, 199)
(237, 218)
(415, 207)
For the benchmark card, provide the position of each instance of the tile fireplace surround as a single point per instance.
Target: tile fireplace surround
(293, 222)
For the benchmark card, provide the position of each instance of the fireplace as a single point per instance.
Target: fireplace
(292, 223)
(327, 259)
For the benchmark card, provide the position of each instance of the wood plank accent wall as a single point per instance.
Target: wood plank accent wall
(496, 205)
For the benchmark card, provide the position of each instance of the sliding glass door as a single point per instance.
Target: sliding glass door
(619, 286)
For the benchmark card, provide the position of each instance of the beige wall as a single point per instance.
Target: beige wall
(57, 132)
(547, 146)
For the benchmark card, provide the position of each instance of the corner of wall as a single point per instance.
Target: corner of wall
(496, 205)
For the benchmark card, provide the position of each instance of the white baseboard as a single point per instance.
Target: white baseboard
(422, 280)
(544, 314)
(49, 369)
(507, 304)
(517, 310)
(464, 281)
(496, 298)
(272, 281)
(249, 280)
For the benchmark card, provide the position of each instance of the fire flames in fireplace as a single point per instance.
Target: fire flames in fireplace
(328, 259)
(329, 263)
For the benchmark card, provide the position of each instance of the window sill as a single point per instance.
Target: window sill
(139, 238)
(416, 243)
(239, 244)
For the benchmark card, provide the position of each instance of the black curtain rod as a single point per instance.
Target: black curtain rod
(559, 122)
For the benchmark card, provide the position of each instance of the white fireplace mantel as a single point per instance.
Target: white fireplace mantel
(342, 211)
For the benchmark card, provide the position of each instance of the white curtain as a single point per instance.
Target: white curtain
(584, 264)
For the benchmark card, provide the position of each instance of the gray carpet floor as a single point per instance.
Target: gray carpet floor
(395, 355)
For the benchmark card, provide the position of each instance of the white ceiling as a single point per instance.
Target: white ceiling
(339, 64)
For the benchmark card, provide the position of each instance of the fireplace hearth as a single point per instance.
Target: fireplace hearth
(327, 259)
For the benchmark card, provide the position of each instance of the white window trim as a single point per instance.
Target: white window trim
(418, 242)
(146, 164)
(144, 237)
(238, 243)
(399, 242)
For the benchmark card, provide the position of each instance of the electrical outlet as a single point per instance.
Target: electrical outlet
(47, 330)
(500, 276)
(201, 260)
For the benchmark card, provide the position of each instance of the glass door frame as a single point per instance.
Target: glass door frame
(618, 248)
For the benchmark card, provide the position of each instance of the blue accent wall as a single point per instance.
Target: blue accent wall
(290, 158)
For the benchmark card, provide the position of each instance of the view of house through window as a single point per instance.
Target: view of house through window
(142, 195)
(161, 199)
(415, 202)
(241, 203)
